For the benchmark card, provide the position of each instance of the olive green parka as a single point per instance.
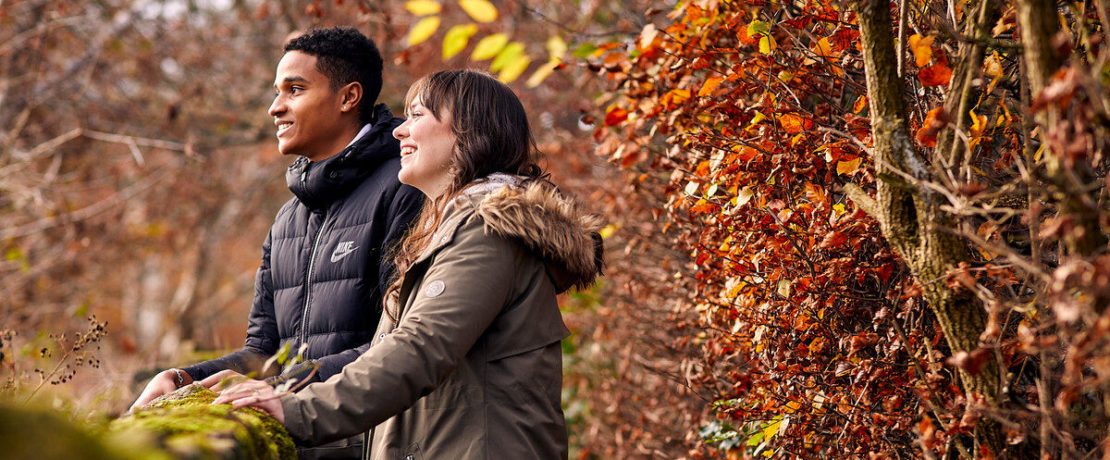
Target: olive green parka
(470, 365)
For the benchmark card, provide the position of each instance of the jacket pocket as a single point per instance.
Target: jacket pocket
(532, 377)
(412, 453)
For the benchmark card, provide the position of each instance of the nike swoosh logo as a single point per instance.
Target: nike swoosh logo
(337, 255)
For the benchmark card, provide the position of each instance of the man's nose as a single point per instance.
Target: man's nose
(277, 107)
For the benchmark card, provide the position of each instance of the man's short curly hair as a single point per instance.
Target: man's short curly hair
(345, 55)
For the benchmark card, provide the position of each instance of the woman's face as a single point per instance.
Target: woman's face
(427, 149)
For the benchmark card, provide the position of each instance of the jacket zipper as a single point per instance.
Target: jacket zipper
(308, 281)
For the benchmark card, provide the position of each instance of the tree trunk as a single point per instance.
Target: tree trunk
(910, 215)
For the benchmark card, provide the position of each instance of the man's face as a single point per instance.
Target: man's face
(307, 112)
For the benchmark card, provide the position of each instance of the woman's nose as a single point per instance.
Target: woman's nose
(401, 131)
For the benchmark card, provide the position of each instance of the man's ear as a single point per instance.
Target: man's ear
(350, 96)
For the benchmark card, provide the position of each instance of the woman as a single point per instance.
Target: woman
(466, 362)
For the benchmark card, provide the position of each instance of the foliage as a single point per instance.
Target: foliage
(753, 120)
(55, 359)
(510, 60)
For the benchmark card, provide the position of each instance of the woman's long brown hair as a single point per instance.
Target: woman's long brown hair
(492, 135)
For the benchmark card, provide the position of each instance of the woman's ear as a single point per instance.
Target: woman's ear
(351, 95)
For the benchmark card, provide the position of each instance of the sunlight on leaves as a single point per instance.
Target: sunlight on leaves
(543, 72)
(508, 55)
(512, 70)
(479, 10)
(456, 39)
(423, 7)
(489, 46)
(423, 30)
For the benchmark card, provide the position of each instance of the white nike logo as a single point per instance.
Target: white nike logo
(342, 249)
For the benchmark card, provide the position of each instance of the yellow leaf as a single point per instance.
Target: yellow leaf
(507, 55)
(423, 30)
(608, 231)
(556, 47)
(709, 86)
(839, 209)
(456, 39)
(423, 7)
(848, 167)
(786, 75)
(992, 65)
(824, 49)
(514, 68)
(489, 46)
(772, 428)
(796, 139)
(480, 10)
(767, 44)
(542, 73)
(759, 116)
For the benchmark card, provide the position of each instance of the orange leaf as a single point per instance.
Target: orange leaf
(615, 115)
(848, 167)
(978, 124)
(676, 96)
(794, 123)
(704, 207)
(702, 169)
(935, 75)
(709, 86)
(861, 104)
(922, 48)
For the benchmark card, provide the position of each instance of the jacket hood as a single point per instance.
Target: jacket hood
(550, 224)
(318, 184)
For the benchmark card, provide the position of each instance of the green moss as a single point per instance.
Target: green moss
(42, 433)
(187, 424)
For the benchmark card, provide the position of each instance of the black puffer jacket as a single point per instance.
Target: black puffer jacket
(324, 263)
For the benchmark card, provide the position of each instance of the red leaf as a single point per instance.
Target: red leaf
(935, 121)
(834, 238)
(935, 75)
(615, 115)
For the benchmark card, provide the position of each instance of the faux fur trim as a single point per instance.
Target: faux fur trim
(551, 224)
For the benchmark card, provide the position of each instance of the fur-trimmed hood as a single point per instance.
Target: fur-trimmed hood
(550, 224)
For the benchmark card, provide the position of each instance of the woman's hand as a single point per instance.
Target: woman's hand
(162, 383)
(254, 393)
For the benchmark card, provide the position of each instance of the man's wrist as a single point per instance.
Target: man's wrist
(181, 378)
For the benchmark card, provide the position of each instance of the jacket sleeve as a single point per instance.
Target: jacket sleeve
(435, 333)
(262, 334)
(403, 209)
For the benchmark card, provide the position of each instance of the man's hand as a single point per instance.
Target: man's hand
(164, 382)
(254, 393)
(223, 379)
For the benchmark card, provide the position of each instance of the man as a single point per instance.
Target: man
(326, 261)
